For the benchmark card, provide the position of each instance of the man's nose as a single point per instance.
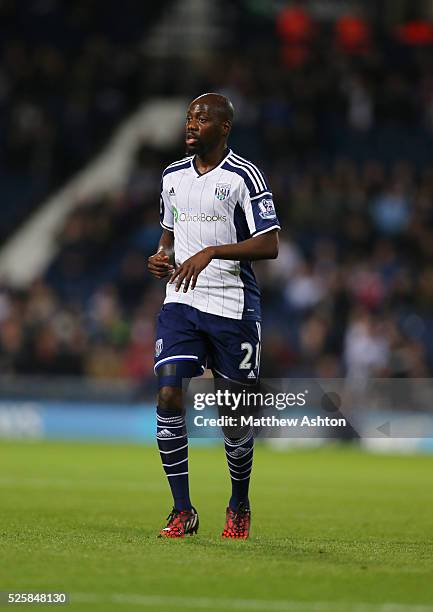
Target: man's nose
(192, 124)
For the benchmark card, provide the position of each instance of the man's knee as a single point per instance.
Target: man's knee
(170, 398)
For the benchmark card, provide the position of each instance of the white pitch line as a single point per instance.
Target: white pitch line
(207, 603)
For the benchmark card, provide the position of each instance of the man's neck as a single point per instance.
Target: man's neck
(210, 160)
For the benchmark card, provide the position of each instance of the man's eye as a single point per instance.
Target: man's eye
(202, 120)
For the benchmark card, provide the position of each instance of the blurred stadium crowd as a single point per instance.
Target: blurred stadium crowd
(69, 72)
(344, 133)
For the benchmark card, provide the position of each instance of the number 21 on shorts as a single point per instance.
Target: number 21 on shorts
(246, 363)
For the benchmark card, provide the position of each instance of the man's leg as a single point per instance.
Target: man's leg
(179, 354)
(239, 455)
(172, 441)
(239, 449)
(236, 364)
(238, 443)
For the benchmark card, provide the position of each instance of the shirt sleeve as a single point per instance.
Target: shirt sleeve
(259, 209)
(165, 210)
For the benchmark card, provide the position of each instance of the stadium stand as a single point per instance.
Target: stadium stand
(347, 147)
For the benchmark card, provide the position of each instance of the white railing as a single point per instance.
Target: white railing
(30, 250)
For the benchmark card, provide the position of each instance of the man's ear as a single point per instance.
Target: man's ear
(227, 126)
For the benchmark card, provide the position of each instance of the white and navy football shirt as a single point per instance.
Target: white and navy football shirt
(228, 204)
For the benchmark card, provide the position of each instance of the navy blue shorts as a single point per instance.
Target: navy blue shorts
(229, 347)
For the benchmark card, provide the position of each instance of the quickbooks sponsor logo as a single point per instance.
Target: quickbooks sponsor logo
(196, 218)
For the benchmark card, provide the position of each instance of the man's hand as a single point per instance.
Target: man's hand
(191, 268)
(159, 264)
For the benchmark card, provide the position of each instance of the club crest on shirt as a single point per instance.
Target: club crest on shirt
(158, 347)
(222, 191)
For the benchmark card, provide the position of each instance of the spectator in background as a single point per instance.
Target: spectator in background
(391, 210)
(366, 351)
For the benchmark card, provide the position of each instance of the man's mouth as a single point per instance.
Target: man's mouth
(191, 139)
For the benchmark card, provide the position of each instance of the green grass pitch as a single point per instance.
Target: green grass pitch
(334, 530)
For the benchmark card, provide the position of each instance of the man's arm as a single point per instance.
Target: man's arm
(159, 264)
(264, 246)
